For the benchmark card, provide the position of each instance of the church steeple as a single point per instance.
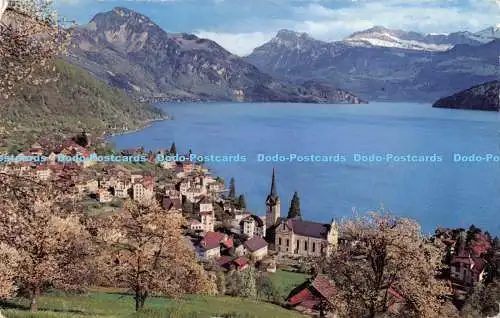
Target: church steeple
(273, 193)
(273, 208)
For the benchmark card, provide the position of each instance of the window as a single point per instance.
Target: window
(305, 245)
(298, 244)
(314, 247)
(287, 242)
(279, 241)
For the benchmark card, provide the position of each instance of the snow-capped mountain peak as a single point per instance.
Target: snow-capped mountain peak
(383, 37)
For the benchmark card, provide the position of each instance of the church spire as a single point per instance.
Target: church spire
(273, 192)
(272, 197)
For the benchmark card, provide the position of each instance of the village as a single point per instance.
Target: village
(223, 233)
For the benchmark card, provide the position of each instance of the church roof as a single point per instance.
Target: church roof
(273, 193)
(308, 228)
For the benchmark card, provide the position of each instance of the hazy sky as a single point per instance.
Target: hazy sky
(241, 25)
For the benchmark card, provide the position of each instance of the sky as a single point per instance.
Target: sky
(242, 25)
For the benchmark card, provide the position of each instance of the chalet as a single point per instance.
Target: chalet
(256, 247)
(229, 263)
(241, 263)
(253, 226)
(211, 244)
(313, 296)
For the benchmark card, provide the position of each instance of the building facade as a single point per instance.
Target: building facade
(305, 238)
(252, 226)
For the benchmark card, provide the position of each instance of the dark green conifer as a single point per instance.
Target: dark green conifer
(294, 211)
(232, 189)
(173, 150)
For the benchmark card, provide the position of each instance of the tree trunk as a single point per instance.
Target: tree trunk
(137, 300)
(143, 300)
(34, 299)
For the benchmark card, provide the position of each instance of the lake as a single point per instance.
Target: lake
(442, 192)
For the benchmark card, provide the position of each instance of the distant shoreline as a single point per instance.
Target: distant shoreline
(146, 124)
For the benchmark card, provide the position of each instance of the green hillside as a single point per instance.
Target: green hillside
(75, 102)
(110, 305)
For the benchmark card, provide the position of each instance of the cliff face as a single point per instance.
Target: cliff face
(481, 97)
(129, 51)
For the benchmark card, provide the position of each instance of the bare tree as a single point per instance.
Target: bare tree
(42, 223)
(149, 255)
(385, 262)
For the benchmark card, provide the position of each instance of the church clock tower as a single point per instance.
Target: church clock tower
(273, 209)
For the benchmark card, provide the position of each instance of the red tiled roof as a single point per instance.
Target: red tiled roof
(304, 295)
(212, 240)
(255, 244)
(324, 286)
(241, 261)
(224, 260)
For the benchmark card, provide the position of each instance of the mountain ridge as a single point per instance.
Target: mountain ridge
(379, 72)
(484, 96)
(131, 52)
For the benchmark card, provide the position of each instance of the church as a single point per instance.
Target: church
(296, 236)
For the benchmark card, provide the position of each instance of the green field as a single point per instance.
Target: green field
(100, 304)
(286, 281)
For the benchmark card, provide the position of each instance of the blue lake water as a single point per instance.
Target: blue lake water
(445, 193)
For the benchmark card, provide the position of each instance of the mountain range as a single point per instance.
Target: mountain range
(131, 52)
(384, 64)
